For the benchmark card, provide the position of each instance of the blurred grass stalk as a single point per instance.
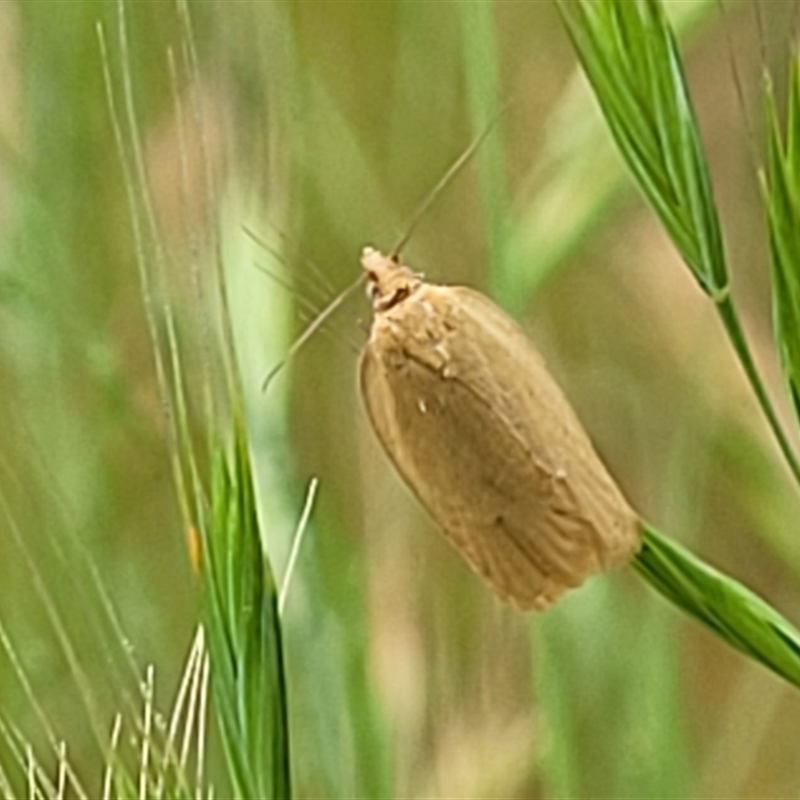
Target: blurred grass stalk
(630, 56)
(240, 598)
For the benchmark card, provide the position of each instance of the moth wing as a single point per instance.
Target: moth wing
(584, 498)
(464, 465)
(378, 401)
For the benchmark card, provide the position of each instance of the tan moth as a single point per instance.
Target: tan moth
(467, 411)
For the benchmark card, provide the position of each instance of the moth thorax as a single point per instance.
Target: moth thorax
(388, 281)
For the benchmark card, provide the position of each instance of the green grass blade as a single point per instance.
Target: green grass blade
(782, 206)
(630, 56)
(631, 59)
(244, 636)
(239, 595)
(576, 152)
(733, 611)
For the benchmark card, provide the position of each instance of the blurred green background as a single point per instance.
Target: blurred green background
(323, 125)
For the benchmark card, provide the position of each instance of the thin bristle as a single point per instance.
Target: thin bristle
(456, 167)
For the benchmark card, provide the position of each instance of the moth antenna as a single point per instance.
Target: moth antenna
(313, 328)
(322, 279)
(455, 168)
(261, 242)
(308, 310)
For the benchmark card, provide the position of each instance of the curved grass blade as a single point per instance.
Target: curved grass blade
(733, 611)
(560, 214)
(239, 597)
(630, 56)
(782, 205)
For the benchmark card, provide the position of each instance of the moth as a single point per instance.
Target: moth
(467, 412)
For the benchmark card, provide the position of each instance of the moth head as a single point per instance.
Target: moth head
(388, 281)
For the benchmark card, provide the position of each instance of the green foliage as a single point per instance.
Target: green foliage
(239, 611)
(244, 635)
(630, 56)
(782, 204)
(731, 610)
